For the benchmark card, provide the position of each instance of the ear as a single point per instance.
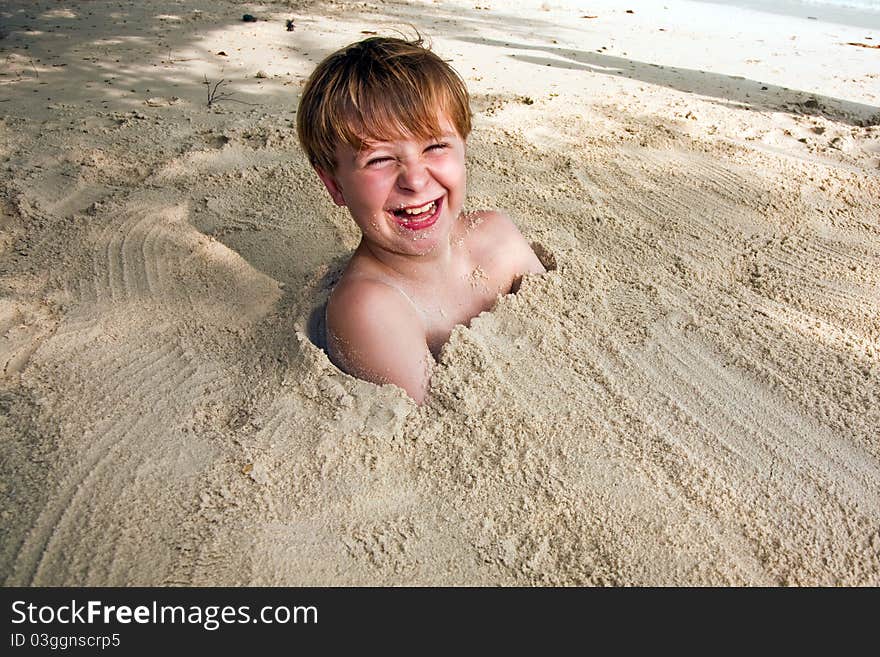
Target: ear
(332, 186)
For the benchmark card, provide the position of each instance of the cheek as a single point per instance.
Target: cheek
(454, 173)
(371, 192)
(461, 183)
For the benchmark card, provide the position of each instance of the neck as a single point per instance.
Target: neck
(431, 266)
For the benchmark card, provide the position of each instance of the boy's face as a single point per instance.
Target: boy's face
(404, 194)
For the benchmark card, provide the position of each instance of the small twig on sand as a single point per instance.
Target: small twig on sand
(215, 95)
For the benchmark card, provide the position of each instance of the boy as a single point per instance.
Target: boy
(384, 123)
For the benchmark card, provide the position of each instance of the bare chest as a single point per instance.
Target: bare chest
(458, 304)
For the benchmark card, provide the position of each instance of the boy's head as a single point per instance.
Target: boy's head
(380, 88)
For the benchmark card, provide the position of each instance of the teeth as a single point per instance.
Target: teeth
(420, 210)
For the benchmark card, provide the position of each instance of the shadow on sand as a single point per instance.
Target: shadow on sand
(728, 90)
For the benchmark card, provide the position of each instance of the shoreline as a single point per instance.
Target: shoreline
(850, 15)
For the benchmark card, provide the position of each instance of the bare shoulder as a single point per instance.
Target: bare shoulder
(491, 223)
(375, 333)
(495, 236)
(357, 294)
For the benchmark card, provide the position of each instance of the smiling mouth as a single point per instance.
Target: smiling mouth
(418, 217)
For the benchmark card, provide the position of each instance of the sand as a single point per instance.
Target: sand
(691, 396)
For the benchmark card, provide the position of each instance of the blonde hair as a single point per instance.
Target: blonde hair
(381, 88)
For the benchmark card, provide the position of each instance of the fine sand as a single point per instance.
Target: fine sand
(690, 396)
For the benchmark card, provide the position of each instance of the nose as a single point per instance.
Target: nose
(412, 176)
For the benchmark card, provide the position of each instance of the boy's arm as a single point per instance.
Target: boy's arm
(374, 333)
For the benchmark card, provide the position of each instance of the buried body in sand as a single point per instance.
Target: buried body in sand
(384, 122)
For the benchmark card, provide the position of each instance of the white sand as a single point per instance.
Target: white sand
(692, 396)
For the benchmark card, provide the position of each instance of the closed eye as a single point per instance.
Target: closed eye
(437, 147)
(377, 160)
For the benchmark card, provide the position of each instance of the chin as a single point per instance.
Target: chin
(420, 243)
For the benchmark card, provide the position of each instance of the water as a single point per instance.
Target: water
(864, 14)
(771, 5)
(868, 5)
